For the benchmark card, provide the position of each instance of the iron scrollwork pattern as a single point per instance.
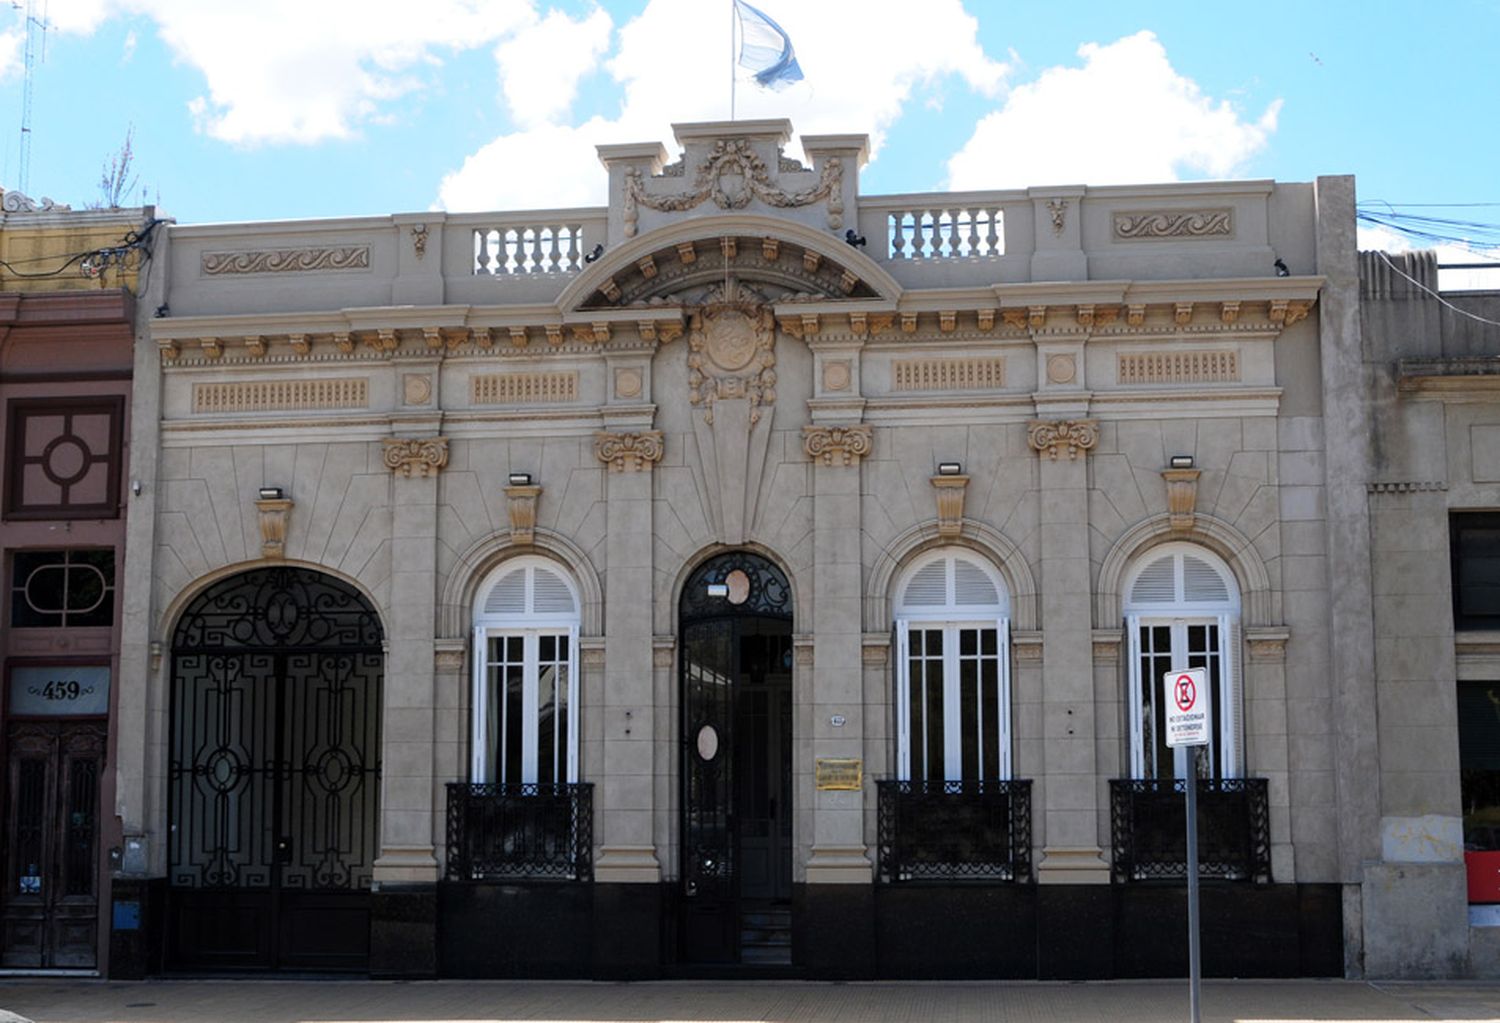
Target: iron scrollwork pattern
(1149, 829)
(767, 590)
(954, 830)
(274, 768)
(520, 831)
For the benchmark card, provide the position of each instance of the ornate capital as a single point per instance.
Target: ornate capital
(1064, 436)
(416, 456)
(837, 445)
(628, 452)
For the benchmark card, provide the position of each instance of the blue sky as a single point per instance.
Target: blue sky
(300, 108)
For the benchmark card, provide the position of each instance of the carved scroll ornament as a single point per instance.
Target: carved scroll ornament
(628, 452)
(837, 445)
(1065, 436)
(416, 457)
(1173, 224)
(730, 177)
(265, 261)
(732, 354)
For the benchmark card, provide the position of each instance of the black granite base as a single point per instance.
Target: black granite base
(136, 921)
(833, 931)
(403, 931)
(627, 931)
(944, 932)
(538, 930)
(1075, 931)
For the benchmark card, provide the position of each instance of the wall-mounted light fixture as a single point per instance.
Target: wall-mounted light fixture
(1182, 461)
(718, 589)
(950, 469)
(520, 479)
(135, 487)
(271, 493)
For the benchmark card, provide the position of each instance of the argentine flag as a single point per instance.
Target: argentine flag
(765, 50)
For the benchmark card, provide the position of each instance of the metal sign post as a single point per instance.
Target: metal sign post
(1185, 696)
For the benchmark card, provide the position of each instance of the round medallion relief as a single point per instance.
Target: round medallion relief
(628, 383)
(731, 339)
(1061, 369)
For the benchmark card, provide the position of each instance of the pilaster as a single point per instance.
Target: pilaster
(838, 853)
(409, 814)
(625, 802)
(1071, 853)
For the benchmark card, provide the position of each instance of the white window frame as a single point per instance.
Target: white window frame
(530, 627)
(952, 619)
(1179, 615)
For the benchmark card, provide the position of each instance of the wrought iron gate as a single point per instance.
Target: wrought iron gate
(735, 799)
(275, 760)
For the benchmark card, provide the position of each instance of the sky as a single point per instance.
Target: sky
(322, 108)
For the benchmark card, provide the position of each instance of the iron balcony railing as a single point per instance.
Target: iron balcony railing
(518, 832)
(1148, 824)
(954, 830)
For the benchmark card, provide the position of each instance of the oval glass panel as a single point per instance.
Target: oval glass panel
(739, 586)
(708, 742)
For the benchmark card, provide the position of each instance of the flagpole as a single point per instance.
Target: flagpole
(731, 59)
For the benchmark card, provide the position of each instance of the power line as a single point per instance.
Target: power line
(1424, 288)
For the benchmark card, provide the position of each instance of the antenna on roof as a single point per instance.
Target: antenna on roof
(36, 52)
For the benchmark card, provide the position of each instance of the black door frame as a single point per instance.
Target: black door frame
(283, 668)
(722, 595)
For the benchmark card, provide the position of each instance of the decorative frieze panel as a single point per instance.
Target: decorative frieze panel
(416, 457)
(523, 388)
(282, 396)
(273, 261)
(1070, 437)
(976, 374)
(628, 452)
(1197, 367)
(837, 445)
(1136, 225)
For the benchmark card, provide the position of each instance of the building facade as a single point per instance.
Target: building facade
(756, 576)
(67, 332)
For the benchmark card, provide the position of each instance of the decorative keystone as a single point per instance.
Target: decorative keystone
(950, 492)
(273, 515)
(1182, 497)
(521, 502)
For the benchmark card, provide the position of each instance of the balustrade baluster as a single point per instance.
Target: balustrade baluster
(482, 252)
(993, 235)
(553, 264)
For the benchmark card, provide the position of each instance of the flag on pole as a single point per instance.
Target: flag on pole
(765, 50)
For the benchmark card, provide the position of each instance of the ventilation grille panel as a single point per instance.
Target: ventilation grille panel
(508, 597)
(1201, 584)
(972, 587)
(1156, 584)
(552, 596)
(929, 587)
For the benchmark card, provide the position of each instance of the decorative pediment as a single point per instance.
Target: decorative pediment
(683, 273)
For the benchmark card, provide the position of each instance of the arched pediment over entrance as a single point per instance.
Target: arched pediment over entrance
(683, 264)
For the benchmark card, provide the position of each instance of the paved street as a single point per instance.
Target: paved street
(281, 1001)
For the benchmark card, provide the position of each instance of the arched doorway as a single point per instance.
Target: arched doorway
(735, 623)
(273, 776)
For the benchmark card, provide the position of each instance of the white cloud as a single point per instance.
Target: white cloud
(11, 57)
(672, 65)
(1125, 116)
(541, 64)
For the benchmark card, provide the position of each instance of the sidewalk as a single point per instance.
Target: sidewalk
(283, 1001)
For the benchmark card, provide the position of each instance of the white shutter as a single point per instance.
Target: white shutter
(929, 587)
(479, 713)
(1133, 698)
(575, 709)
(1156, 584)
(508, 597)
(971, 586)
(903, 702)
(1201, 582)
(1002, 647)
(550, 594)
(1231, 716)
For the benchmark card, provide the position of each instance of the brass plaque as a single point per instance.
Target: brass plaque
(840, 774)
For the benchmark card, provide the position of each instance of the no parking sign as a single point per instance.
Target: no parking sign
(1185, 695)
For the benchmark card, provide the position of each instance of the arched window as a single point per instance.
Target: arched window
(952, 670)
(525, 727)
(1182, 610)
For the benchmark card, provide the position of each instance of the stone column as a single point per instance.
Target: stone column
(624, 803)
(403, 910)
(1072, 853)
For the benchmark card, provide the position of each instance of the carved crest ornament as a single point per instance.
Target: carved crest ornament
(730, 177)
(732, 352)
